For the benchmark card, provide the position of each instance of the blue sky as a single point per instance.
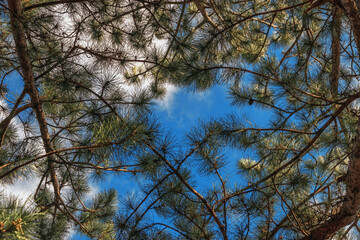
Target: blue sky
(182, 111)
(185, 110)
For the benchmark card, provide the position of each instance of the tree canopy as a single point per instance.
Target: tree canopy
(79, 80)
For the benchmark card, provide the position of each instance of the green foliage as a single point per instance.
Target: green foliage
(100, 224)
(17, 221)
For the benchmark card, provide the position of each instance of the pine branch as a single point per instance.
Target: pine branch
(295, 208)
(200, 5)
(297, 156)
(49, 154)
(258, 14)
(54, 3)
(191, 189)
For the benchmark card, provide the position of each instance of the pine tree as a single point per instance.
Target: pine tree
(72, 120)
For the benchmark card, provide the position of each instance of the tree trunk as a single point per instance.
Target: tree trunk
(18, 31)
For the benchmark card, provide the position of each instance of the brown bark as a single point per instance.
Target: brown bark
(353, 14)
(18, 32)
(335, 50)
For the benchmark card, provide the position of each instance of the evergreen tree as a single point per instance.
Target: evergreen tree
(73, 119)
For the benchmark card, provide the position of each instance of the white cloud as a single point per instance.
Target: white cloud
(204, 96)
(166, 103)
(22, 188)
